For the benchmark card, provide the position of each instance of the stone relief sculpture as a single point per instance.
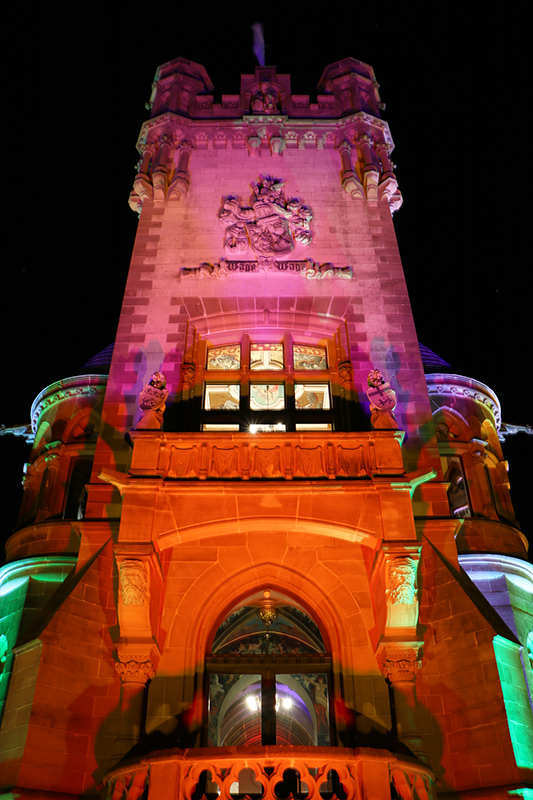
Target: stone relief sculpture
(152, 402)
(382, 402)
(402, 576)
(133, 582)
(270, 225)
(264, 101)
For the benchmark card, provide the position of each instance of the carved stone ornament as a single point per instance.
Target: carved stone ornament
(133, 582)
(382, 402)
(401, 666)
(402, 576)
(152, 402)
(308, 268)
(136, 669)
(270, 225)
(265, 100)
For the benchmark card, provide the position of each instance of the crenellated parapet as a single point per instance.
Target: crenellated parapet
(264, 121)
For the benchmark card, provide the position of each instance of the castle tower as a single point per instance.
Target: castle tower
(247, 570)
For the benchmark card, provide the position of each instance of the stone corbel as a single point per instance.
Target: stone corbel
(277, 145)
(179, 186)
(254, 145)
(350, 181)
(401, 593)
(141, 585)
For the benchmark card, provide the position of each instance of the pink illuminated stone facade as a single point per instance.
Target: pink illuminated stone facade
(266, 594)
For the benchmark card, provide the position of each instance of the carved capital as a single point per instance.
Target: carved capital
(400, 665)
(402, 578)
(136, 669)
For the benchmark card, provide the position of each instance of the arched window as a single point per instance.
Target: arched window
(268, 677)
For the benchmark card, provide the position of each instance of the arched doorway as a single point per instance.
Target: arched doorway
(268, 676)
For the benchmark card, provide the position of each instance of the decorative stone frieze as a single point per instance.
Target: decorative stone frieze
(248, 456)
(308, 269)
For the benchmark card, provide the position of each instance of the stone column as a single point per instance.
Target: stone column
(135, 671)
(160, 172)
(350, 181)
(382, 149)
(348, 392)
(142, 184)
(180, 183)
(400, 666)
(371, 173)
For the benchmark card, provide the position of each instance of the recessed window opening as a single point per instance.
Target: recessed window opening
(268, 677)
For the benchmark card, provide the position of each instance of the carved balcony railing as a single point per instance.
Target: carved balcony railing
(272, 773)
(281, 456)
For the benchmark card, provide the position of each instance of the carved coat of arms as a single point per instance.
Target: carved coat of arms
(270, 225)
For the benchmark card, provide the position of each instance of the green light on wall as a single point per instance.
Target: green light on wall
(516, 699)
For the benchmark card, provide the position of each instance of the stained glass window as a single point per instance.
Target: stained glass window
(267, 396)
(266, 356)
(312, 396)
(222, 397)
(227, 357)
(308, 357)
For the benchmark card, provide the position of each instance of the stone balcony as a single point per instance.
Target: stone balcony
(281, 456)
(271, 773)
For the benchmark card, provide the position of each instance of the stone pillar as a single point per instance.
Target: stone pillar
(160, 172)
(180, 183)
(135, 670)
(350, 181)
(348, 392)
(382, 149)
(371, 173)
(400, 666)
(142, 184)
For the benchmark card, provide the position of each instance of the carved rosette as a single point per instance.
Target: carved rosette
(137, 669)
(133, 582)
(401, 665)
(402, 578)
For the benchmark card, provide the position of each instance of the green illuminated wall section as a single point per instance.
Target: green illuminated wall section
(516, 699)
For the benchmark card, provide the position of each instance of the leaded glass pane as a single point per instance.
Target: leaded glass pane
(302, 709)
(234, 710)
(267, 396)
(222, 397)
(312, 396)
(226, 357)
(307, 357)
(266, 356)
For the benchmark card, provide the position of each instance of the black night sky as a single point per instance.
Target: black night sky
(455, 83)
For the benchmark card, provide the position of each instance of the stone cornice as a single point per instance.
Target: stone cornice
(77, 386)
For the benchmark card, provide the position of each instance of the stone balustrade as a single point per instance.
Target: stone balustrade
(282, 456)
(272, 773)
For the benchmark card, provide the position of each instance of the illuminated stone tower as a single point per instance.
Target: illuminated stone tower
(262, 532)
